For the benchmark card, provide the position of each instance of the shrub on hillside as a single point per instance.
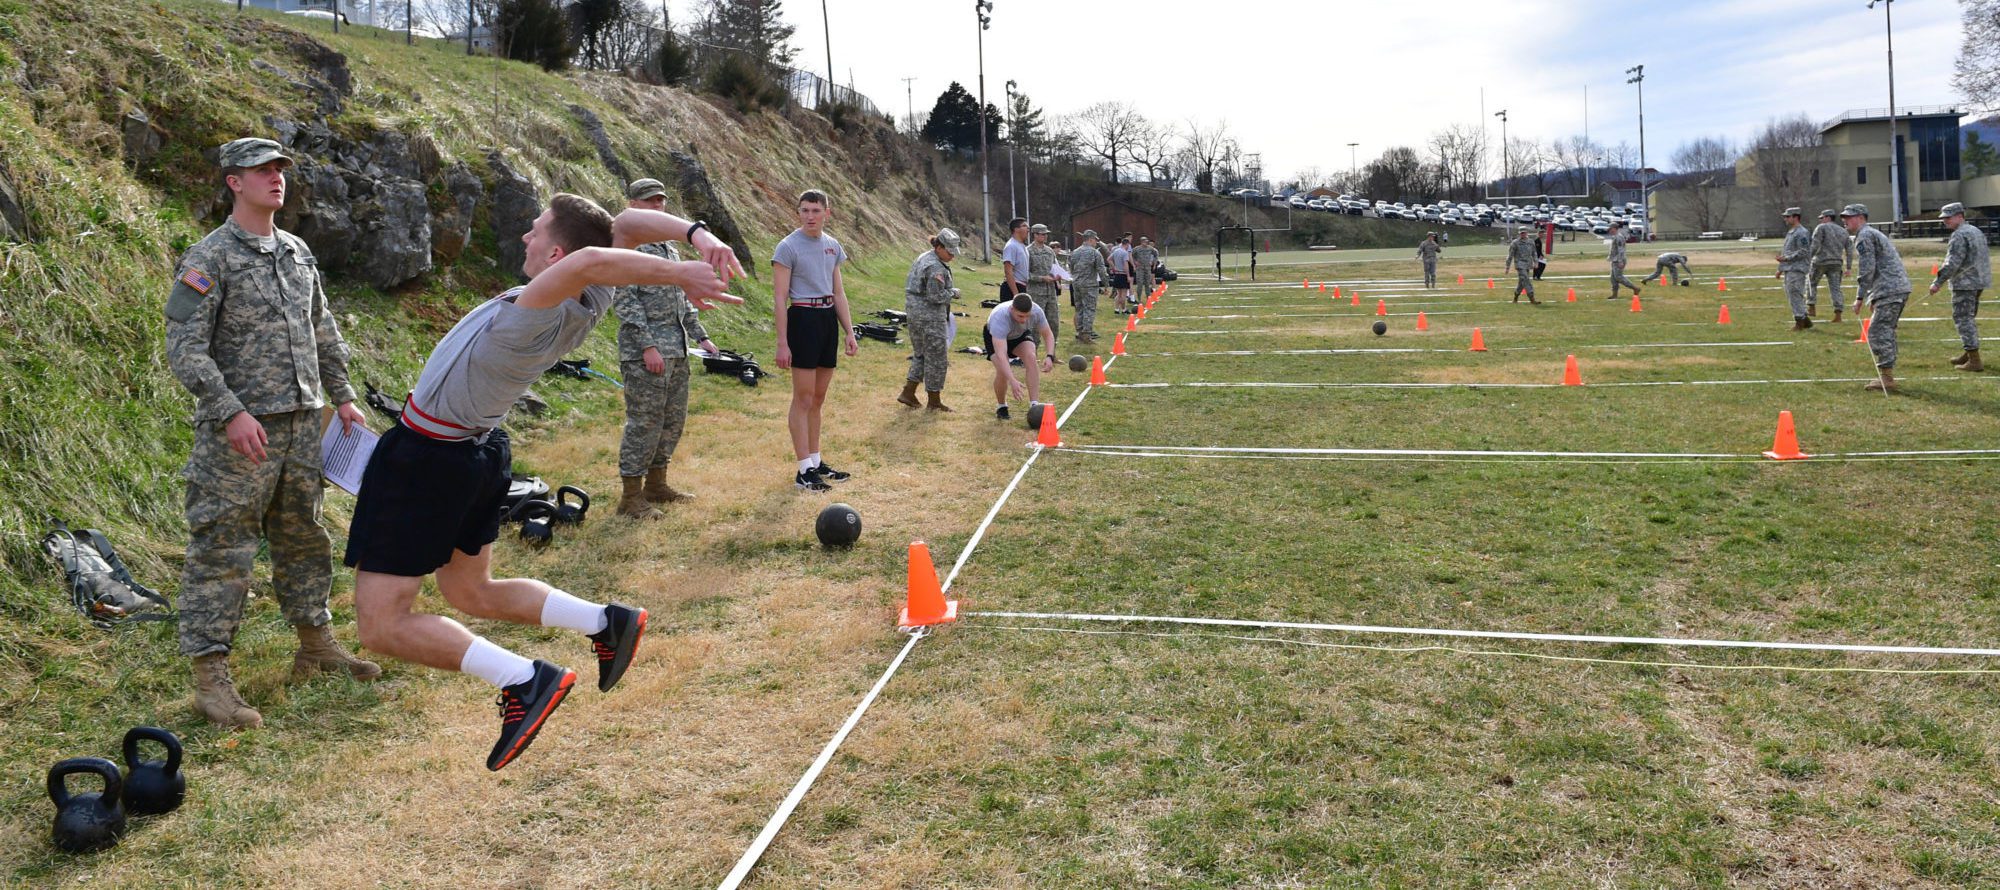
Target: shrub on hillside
(746, 84)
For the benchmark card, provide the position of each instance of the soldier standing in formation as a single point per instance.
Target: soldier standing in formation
(656, 323)
(1670, 264)
(250, 335)
(927, 296)
(1794, 261)
(1521, 261)
(1144, 258)
(1427, 251)
(1880, 280)
(1969, 268)
(1086, 265)
(1617, 259)
(1830, 245)
(1043, 285)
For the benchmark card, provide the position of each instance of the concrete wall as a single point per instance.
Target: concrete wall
(1982, 193)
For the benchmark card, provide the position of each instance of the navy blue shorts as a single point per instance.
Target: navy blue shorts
(423, 498)
(814, 337)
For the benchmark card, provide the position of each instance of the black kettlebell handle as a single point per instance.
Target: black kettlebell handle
(114, 782)
(567, 512)
(152, 733)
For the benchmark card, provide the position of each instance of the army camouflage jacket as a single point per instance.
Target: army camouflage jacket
(1041, 270)
(1967, 263)
(1087, 264)
(1879, 268)
(1796, 255)
(248, 328)
(656, 315)
(1428, 250)
(1830, 245)
(928, 289)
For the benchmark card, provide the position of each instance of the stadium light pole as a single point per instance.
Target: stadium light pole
(1506, 171)
(1638, 77)
(981, 8)
(1012, 191)
(910, 105)
(1353, 168)
(826, 28)
(1895, 150)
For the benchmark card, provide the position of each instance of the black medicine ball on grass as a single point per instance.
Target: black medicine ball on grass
(838, 526)
(1380, 328)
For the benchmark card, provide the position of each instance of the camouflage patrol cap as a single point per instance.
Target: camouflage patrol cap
(250, 152)
(641, 189)
(949, 240)
(1089, 234)
(1854, 210)
(1950, 210)
(1793, 211)
(1828, 214)
(1038, 229)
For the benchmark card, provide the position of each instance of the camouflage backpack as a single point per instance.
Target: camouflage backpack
(100, 587)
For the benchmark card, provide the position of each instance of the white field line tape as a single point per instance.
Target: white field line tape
(1396, 452)
(1366, 351)
(1465, 385)
(1566, 461)
(1188, 451)
(1311, 315)
(1496, 634)
(777, 821)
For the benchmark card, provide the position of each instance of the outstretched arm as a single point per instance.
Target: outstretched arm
(635, 226)
(613, 266)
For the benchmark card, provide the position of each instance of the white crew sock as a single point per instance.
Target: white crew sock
(814, 457)
(566, 611)
(805, 464)
(495, 665)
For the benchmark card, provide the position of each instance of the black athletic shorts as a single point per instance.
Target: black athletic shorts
(1121, 281)
(814, 337)
(422, 498)
(986, 338)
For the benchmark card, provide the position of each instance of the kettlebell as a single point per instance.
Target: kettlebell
(568, 513)
(537, 522)
(90, 821)
(153, 787)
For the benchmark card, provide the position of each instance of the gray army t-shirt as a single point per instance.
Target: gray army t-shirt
(1000, 323)
(497, 351)
(812, 261)
(1017, 253)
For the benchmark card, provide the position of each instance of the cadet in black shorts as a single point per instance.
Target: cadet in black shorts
(809, 305)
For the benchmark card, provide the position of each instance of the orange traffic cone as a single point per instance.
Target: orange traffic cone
(1353, 298)
(1489, 284)
(1722, 284)
(1571, 376)
(1864, 330)
(1336, 291)
(1322, 287)
(926, 604)
(1132, 322)
(1478, 342)
(1381, 307)
(1118, 345)
(1785, 445)
(1723, 316)
(1305, 283)
(1048, 437)
(1934, 268)
(1635, 303)
(1097, 371)
(1461, 278)
(1571, 296)
(1422, 325)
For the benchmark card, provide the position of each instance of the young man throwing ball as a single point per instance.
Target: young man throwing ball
(430, 498)
(1011, 331)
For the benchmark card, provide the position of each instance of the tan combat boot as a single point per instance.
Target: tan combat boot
(909, 396)
(1836, 313)
(215, 697)
(632, 502)
(1972, 361)
(1884, 382)
(937, 402)
(659, 492)
(320, 652)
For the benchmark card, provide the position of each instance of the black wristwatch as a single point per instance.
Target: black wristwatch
(698, 226)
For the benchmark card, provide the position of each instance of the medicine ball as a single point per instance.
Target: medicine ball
(838, 526)
(1035, 415)
(1078, 363)
(1380, 328)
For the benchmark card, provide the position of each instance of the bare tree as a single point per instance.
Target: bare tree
(1977, 73)
(1155, 148)
(1205, 147)
(1109, 130)
(1705, 180)
(1793, 168)
(1573, 157)
(1310, 177)
(1458, 155)
(453, 17)
(1397, 175)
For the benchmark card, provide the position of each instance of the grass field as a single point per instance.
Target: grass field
(1046, 753)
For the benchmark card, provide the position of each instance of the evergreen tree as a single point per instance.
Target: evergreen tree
(534, 31)
(755, 27)
(954, 120)
(1979, 156)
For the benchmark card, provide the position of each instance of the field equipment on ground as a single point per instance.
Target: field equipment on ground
(838, 526)
(92, 820)
(152, 786)
(1380, 328)
(100, 586)
(1078, 363)
(740, 365)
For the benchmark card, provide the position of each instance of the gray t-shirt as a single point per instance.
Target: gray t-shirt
(493, 355)
(1017, 253)
(1121, 258)
(1002, 326)
(812, 261)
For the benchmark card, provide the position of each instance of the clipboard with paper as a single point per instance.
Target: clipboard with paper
(344, 454)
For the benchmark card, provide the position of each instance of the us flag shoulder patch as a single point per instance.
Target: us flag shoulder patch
(201, 283)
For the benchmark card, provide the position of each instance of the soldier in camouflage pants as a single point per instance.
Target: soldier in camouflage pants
(249, 334)
(1042, 282)
(1880, 277)
(656, 324)
(927, 296)
(1144, 258)
(1086, 263)
(1968, 266)
(1618, 278)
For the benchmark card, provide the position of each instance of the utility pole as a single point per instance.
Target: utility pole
(1638, 77)
(1353, 168)
(1012, 208)
(827, 29)
(471, 18)
(1506, 170)
(981, 8)
(1895, 147)
(910, 105)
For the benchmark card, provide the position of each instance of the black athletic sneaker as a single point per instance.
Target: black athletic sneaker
(829, 474)
(810, 481)
(523, 707)
(615, 644)
(1000, 412)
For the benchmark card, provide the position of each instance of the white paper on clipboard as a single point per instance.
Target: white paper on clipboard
(344, 455)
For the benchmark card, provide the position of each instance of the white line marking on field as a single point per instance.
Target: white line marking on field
(1496, 385)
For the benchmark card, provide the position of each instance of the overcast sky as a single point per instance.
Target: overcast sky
(1298, 80)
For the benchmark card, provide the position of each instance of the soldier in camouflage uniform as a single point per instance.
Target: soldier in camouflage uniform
(1144, 258)
(1042, 282)
(1879, 276)
(1086, 264)
(1830, 244)
(1521, 261)
(1794, 260)
(656, 323)
(250, 335)
(1670, 266)
(1427, 251)
(1969, 268)
(1617, 258)
(927, 296)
